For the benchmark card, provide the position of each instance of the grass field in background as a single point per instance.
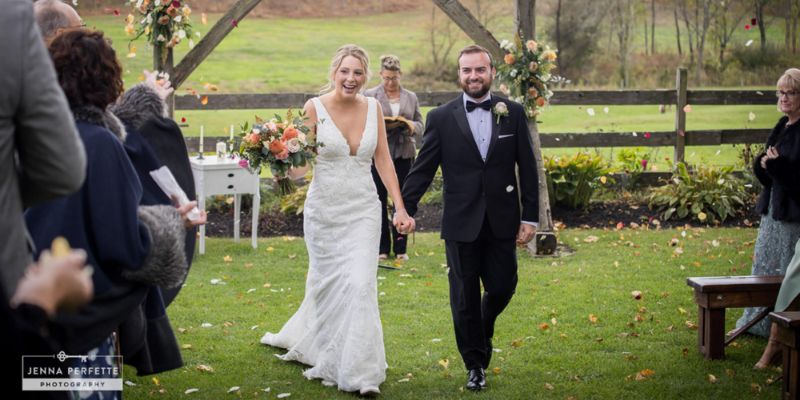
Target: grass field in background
(285, 55)
(548, 345)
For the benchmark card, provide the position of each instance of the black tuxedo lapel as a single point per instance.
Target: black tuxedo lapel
(495, 127)
(460, 115)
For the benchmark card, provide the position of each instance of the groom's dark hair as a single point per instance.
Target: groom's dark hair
(474, 48)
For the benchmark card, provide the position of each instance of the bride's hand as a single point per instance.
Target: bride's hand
(403, 222)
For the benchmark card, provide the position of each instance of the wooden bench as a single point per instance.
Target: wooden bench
(716, 293)
(789, 337)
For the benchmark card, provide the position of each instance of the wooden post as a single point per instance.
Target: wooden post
(471, 26)
(680, 116)
(545, 240)
(163, 62)
(526, 18)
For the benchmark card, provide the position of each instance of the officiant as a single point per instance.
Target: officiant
(404, 129)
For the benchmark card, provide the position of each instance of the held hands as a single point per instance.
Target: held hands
(403, 222)
(159, 82)
(525, 234)
(772, 153)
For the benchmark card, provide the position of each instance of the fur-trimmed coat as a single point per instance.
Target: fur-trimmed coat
(130, 247)
(781, 178)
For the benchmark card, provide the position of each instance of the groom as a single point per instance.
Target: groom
(480, 140)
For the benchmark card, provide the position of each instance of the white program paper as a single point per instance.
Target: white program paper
(166, 181)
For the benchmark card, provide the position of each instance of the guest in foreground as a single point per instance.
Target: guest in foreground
(778, 169)
(41, 155)
(130, 247)
(403, 133)
(481, 141)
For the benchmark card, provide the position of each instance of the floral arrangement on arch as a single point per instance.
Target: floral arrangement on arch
(165, 23)
(525, 73)
(280, 144)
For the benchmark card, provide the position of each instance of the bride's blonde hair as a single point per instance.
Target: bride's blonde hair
(344, 51)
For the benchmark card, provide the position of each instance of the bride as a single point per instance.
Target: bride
(337, 329)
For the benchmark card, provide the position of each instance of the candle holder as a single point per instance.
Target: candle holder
(200, 151)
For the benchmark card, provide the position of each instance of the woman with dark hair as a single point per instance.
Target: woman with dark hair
(132, 248)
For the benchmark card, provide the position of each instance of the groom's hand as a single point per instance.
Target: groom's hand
(525, 234)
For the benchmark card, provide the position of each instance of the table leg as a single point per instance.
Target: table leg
(256, 208)
(201, 204)
(237, 207)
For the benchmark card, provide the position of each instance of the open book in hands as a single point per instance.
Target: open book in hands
(398, 124)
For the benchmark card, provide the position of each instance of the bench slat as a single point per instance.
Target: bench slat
(735, 283)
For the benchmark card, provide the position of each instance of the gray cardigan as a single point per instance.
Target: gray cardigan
(401, 145)
(41, 155)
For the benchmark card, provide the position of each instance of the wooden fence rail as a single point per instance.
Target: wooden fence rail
(676, 97)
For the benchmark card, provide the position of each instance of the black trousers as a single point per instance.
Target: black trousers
(491, 261)
(397, 241)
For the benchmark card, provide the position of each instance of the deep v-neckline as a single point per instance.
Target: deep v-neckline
(341, 134)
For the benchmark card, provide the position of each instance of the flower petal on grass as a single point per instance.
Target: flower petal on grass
(190, 391)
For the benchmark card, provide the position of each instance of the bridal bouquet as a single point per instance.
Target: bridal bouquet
(525, 73)
(280, 144)
(164, 22)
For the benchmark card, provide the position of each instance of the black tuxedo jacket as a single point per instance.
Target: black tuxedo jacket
(473, 188)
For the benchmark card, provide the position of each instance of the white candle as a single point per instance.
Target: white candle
(201, 138)
(231, 132)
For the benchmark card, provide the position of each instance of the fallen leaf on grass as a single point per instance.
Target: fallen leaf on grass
(591, 239)
(691, 325)
(192, 390)
(496, 370)
(516, 343)
(730, 372)
(592, 318)
(205, 368)
(544, 326)
(644, 374)
(755, 388)
(636, 294)
(681, 310)
(129, 383)
(549, 386)
(283, 395)
(233, 389)
(186, 346)
(206, 325)
(270, 249)
(685, 351)
(227, 259)
(445, 363)
(156, 381)
(711, 378)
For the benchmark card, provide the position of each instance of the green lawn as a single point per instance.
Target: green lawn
(549, 347)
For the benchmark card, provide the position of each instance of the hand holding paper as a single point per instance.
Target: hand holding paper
(166, 181)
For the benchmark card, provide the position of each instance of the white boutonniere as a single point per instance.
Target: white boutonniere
(500, 110)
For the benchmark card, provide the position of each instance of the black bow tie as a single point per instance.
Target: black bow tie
(486, 105)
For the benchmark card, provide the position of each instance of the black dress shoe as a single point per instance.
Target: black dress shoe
(476, 379)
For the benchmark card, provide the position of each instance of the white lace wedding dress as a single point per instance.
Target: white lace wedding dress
(337, 329)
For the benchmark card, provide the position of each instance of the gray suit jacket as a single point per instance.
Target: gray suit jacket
(401, 145)
(41, 155)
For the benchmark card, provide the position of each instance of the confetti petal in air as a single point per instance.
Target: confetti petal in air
(590, 111)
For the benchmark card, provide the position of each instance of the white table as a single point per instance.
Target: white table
(214, 175)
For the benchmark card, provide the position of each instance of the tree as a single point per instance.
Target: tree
(675, 8)
(697, 19)
(726, 17)
(759, 6)
(442, 36)
(623, 12)
(652, 26)
(575, 29)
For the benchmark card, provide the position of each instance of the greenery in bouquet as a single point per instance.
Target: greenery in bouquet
(279, 144)
(525, 73)
(164, 23)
